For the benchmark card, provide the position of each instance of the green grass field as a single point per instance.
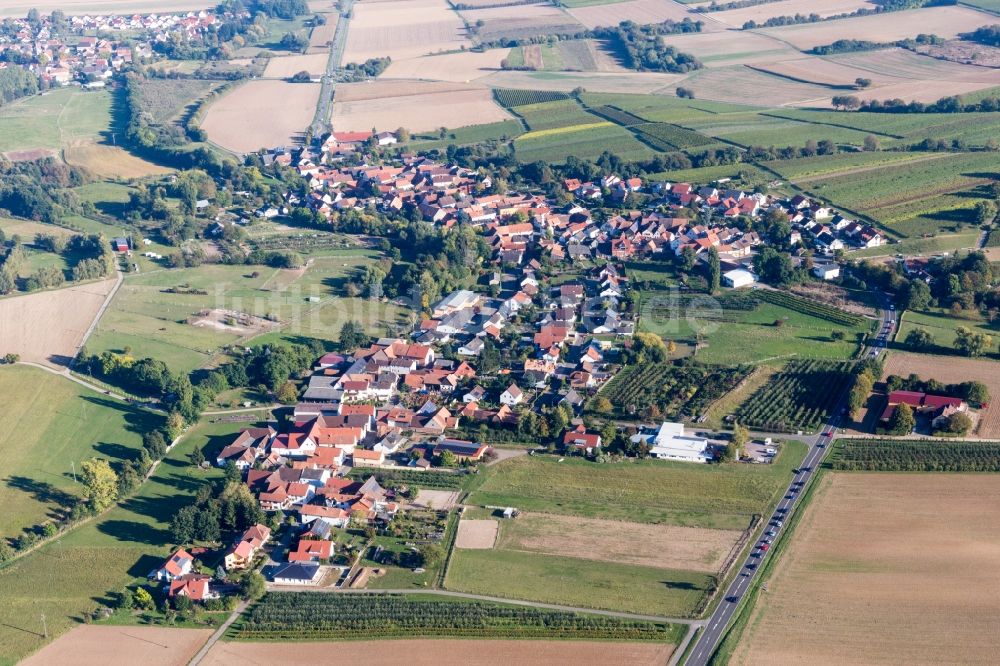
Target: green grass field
(716, 496)
(752, 337)
(48, 424)
(55, 119)
(468, 135)
(575, 582)
(923, 246)
(941, 325)
(154, 323)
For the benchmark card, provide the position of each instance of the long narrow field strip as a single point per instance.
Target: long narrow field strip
(640, 11)
(419, 112)
(88, 644)
(885, 569)
(555, 131)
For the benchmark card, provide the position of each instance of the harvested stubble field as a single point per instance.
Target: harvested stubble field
(110, 161)
(665, 546)
(640, 11)
(885, 569)
(87, 645)
(821, 71)
(954, 370)
(48, 327)
(403, 29)
(455, 67)
(889, 27)
(321, 35)
(519, 21)
(718, 49)
(286, 66)
(477, 534)
(742, 85)
(760, 13)
(417, 106)
(440, 652)
(261, 114)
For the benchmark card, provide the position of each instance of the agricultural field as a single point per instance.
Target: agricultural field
(48, 327)
(106, 161)
(459, 67)
(678, 393)
(899, 568)
(612, 541)
(954, 370)
(946, 22)
(727, 48)
(915, 455)
(639, 11)
(800, 397)
(287, 66)
(520, 21)
(321, 35)
(586, 141)
(467, 135)
(603, 81)
(290, 615)
(88, 644)
(448, 652)
(403, 29)
(43, 124)
(50, 423)
(735, 18)
(583, 583)
(261, 114)
(418, 106)
(154, 322)
(675, 493)
(165, 99)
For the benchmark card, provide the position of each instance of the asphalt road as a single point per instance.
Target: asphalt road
(715, 626)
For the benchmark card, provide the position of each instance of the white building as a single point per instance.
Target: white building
(826, 271)
(738, 278)
(512, 396)
(670, 443)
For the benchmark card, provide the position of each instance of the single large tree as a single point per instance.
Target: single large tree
(100, 483)
(902, 421)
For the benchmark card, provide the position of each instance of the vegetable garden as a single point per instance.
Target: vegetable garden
(800, 397)
(670, 391)
(299, 616)
(915, 455)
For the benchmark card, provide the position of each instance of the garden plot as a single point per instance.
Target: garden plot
(885, 569)
(417, 107)
(640, 11)
(261, 114)
(513, 22)
(760, 13)
(456, 67)
(402, 29)
(888, 27)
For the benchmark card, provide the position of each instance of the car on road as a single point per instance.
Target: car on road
(733, 598)
(765, 547)
(751, 566)
(821, 445)
(771, 533)
(805, 469)
(790, 498)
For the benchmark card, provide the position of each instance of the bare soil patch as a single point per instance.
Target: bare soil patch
(640, 11)
(440, 652)
(261, 114)
(419, 112)
(825, 72)
(968, 53)
(521, 21)
(97, 645)
(29, 155)
(742, 85)
(287, 66)
(477, 534)
(885, 569)
(111, 162)
(665, 546)
(954, 370)
(231, 321)
(457, 67)
(435, 499)
(888, 27)
(321, 36)
(403, 29)
(48, 326)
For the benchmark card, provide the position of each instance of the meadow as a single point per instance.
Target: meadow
(941, 325)
(899, 568)
(576, 582)
(50, 424)
(713, 496)
(51, 121)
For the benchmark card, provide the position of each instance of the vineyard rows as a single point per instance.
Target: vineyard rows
(509, 98)
(800, 397)
(676, 392)
(431, 480)
(618, 116)
(916, 456)
(674, 137)
(290, 615)
(809, 307)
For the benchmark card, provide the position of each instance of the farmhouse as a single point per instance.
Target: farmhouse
(670, 443)
(924, 404)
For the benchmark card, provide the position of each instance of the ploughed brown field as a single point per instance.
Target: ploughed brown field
(885, 569)
(438, 652)
(955, 370)
(261, 114)
(96, 645)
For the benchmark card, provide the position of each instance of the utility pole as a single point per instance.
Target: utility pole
(45, 627)
(73, 465)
